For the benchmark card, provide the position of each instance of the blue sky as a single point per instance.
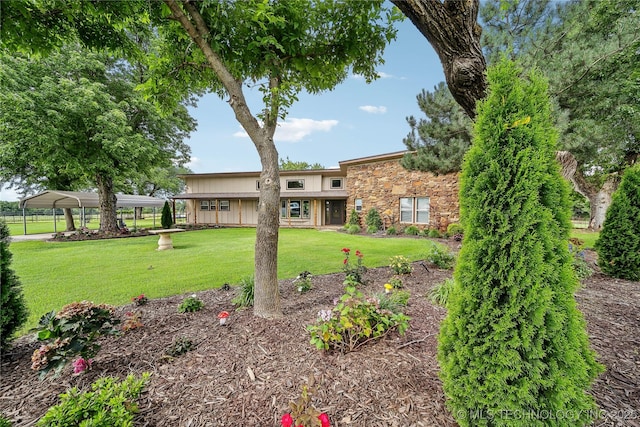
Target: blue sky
(354, 120)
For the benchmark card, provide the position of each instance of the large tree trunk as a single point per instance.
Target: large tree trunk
(107, 201)
(266, 293)
(452, 29)
(599, 198)
(68, 219)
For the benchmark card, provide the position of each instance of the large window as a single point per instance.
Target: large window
(297, 209)
(204, 205)
(295, 184)
(414, 210)
(224, 205)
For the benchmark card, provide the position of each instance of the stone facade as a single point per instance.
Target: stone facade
(381, 184)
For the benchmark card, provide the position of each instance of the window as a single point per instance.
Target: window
(295, 184)
(204, 205)
(422, 210)
(414, 210)
(297, 209)
(224, 205)
(358, 205)
(406, 209)
(336, 183)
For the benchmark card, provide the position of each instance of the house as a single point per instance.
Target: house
(324, 197)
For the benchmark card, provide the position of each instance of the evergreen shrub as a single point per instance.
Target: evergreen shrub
(13, 308)
(618, 246)
(166, 219)
(514, 346)
(354, 218)
(373, 220)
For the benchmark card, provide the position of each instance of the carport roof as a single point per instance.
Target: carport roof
(77, 199)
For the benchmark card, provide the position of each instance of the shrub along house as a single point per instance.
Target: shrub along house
(323, 197)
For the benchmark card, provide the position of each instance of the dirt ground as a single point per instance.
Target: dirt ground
(246, 372)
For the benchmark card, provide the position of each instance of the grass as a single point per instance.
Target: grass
(113, 271)
(46, 226)
(589, 237)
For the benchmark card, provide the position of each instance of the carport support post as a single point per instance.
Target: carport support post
(154, 217)
(55, 222)
(24, 220)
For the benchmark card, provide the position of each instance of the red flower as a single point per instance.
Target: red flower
(359, 254)
(345, 261)
(346, 250)
(324, 419)
(286, 420)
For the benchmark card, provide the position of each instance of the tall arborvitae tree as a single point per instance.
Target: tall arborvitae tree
(13, 309)
(514, 346)
(166, 220)
(619, 243)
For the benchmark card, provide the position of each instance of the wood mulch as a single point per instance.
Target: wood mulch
(247, 372)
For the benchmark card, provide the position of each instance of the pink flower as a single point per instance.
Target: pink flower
(345, 261)
(346, 250)
(324, 420)
(359, 255)
(286, 420)
(80, 365)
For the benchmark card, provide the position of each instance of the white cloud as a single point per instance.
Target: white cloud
(381, 75)
(8, 195)
(294, 130)
(194, 163)
(384, 75)
(371, 109)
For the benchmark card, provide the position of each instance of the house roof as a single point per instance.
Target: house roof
(77, 199)
(371, 159)
(333, 194)
(324, 172)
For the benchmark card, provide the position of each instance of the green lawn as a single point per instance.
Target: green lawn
(589, 237)
(113, 271)
(46, 226)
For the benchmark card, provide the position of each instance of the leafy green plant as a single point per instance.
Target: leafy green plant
(354, 218)
(354, 274)
(578, 259)
(109, 403)
(4, 422)
(166, 219)
(454, 228)
(394, 301)
(13, 312)
(353, 229)
(353, 322)
(618, 246)
(372, 230)
(190, 304)
(412, 230)
(514, 341)
(245, 293)
(396, 283)
(131, 321)
(72, 331)
(179, 346)
(303, 281)
(373, 220)
(140, 300)
(391, 231)
(434, 233)
(440, 256)
(439, 294)
(400, 264)
(303, 413)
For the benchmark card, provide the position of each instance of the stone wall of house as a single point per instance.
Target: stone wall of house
(381, 184)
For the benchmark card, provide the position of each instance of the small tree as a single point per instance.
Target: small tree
(13, 309)
(354, 218)
(619, 243)
(166, 220)
(373, 220)
(514, 341)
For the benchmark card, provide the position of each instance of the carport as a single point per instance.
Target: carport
(80, 200)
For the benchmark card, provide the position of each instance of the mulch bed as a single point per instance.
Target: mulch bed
(247, 372)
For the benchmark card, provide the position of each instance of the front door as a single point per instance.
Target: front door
(335, 212)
